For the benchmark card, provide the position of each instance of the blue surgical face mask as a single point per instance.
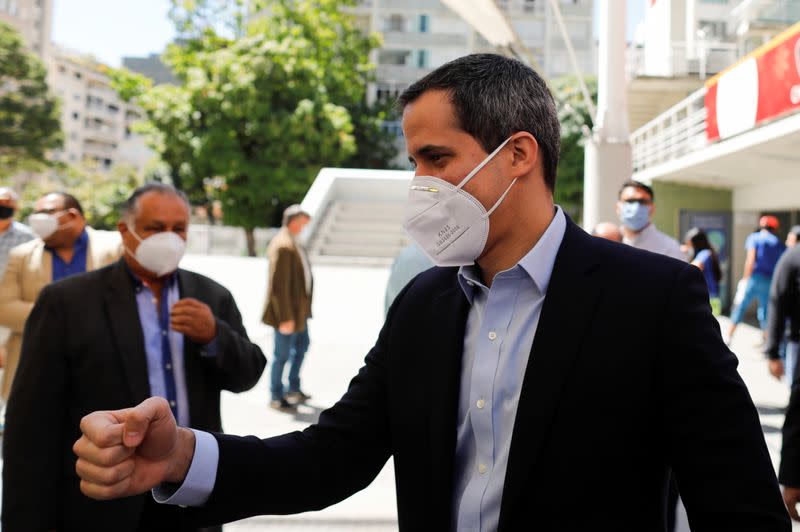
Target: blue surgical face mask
(634, 216)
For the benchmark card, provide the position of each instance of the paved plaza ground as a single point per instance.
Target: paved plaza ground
(348, 313)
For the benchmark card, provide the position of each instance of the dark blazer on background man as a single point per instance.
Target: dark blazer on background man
(83, 351)
(628, 377)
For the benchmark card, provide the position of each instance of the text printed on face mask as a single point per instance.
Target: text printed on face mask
(446, 234)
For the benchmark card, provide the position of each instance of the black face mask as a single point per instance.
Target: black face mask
(6, 212)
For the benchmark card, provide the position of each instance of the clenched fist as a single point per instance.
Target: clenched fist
(194, 320)
(128, 452)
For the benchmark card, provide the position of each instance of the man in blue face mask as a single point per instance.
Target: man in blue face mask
(635, 209)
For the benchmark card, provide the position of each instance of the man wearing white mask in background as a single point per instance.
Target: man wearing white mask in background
(66, 246)
(635, 208)
(138, 328)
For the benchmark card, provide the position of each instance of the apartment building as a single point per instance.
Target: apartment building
(420, 35)
(33, 19)
(97, 123)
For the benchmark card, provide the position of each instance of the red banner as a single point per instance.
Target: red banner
(762, 86)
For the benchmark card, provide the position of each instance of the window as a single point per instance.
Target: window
(528, 6)
(422, 58)
(75, 115)
(424, 23)
(712, 29)
(113, 108)
(61, 68)
(396, 23)
(78, 75)
(392, 57)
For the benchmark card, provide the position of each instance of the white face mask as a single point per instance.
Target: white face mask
(43, 224)
(449, 224)
(159, 253)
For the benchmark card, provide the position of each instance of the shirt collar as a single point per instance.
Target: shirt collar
(537, 263)
(170, 280)
(81, 243)
(642, 235)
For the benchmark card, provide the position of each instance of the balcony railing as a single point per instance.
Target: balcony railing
(672, 134)
(708, 58)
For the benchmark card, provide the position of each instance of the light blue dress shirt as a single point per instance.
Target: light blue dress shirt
(501, 325)
(151, 329)
(148, 315)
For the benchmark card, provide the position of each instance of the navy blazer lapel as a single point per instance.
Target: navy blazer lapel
(449, 313)
(126, 328)
(571, 301)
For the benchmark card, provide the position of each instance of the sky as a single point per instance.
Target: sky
(112, 29)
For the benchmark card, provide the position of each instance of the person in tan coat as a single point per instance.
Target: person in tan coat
(288, 307)
(66, 246)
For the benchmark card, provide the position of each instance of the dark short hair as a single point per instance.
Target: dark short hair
(495, 97)
(131, 204)
(293, 211)
(637, 184)
(70, 201)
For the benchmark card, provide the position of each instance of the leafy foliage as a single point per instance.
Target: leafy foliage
(264, 106)
(576, 123)
(29, 115)
(101, 194)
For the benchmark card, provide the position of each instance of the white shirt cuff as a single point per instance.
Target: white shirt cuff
(200, 479)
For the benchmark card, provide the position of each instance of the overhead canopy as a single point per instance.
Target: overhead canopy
(486, 18)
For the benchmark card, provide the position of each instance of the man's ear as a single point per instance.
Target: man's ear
(525, 154)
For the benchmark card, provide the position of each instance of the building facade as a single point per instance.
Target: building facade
(97, 124)
(33, 19)
(421, 35)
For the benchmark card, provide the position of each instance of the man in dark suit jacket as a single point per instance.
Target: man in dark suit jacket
(117, 336)
(548, 383)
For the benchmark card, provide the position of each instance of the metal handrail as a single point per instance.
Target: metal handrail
(672, 134)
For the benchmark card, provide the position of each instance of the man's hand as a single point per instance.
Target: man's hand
(791, 496)
(127, 452)
(286, 327)
(194, 320)
(776, 367)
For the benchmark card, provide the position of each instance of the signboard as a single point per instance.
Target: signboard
(762, 86)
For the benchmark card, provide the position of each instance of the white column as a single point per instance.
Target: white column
(607, 162)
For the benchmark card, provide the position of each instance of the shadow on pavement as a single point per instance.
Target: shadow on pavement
(306, 416)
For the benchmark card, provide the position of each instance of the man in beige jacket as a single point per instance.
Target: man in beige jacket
(288, 307)
(66, 246)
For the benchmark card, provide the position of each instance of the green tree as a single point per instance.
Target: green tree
(170, 129)
(29, 114)
(576, 123)
(263, 105)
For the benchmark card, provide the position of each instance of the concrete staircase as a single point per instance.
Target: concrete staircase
(359, 232)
